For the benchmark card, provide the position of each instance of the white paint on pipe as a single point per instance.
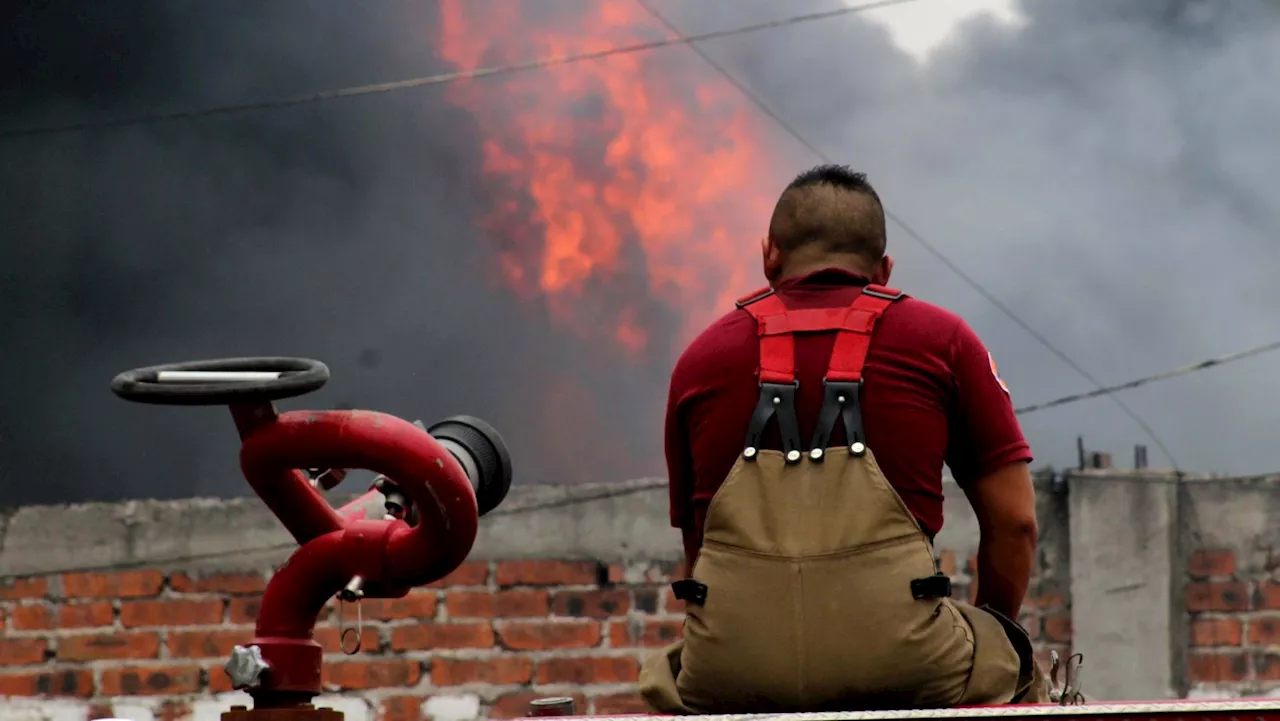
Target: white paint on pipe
(216, 376)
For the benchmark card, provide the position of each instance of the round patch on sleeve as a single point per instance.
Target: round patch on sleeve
(996, 373)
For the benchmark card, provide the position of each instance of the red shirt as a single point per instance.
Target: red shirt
(931, 395)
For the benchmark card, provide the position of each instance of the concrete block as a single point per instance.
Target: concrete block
(1125, 607)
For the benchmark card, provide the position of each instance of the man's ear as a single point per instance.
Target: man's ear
(771, 259)
(883, 270)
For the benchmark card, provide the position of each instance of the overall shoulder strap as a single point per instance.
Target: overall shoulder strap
(777, 375)
(849, 354)
(776, 326)
(843, 382)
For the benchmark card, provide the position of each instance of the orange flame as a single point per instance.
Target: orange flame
(624, 183)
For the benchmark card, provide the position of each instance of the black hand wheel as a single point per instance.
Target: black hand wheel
(221, 382)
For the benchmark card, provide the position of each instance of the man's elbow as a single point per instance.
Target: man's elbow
(1005, 504)
(1016, 527)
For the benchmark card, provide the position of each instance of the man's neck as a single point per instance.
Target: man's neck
(802, 266)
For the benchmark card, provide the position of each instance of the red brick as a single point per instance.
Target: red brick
(402, 708)
(622, 704)
(1217, 596)
(430, 636)
(1267, 596)
(518, 603)
(223, 584)
(82, 615)
(350, 675)
(415, 605)
(1266, 666)
(588, 670)
(1217, 667)
(516, 705)
(63, 682)
(22, 651)
(469, 604)
(137, 614)
(540, 635)
(645, 600)
(644, 634)
(16, 589)
(207, 644)
(243, 610)
(125, 584)
(522, 603)
(617, 573)
(150, 680)
(472, 573)
(1206, 564)
(1216, 632)
(100, 710)
(496, 671)
(547, 573)
(330, 639)
(31, 617)
(592, 604)
(108, 646)
(1264, 631)
(218, 680)
(1057, 628)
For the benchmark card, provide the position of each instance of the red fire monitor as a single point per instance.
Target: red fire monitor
(414, 526)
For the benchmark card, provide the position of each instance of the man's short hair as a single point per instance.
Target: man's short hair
(834, 207)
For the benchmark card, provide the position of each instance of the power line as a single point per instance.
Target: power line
(438, 79)
(912, 233)
(655, 484)
(1184, 370)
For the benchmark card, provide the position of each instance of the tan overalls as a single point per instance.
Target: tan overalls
(816, 589)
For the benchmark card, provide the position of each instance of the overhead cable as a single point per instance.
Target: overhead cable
(1184, 370)
(437, 79)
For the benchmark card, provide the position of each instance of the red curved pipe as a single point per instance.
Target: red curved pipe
(388, 554)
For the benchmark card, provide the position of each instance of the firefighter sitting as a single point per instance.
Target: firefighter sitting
(806, 436)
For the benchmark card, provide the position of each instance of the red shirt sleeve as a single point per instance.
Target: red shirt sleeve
(679, 459)
(984, 432)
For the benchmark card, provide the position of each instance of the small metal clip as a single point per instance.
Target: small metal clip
(1071, 694)
(351, 594)
(325, 479)
(1068, 692)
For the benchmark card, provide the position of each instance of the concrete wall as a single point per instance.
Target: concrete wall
(1165, 584)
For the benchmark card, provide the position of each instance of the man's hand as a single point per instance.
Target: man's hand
(1005, 504)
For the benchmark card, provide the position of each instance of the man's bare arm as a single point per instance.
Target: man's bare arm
(1005, 504)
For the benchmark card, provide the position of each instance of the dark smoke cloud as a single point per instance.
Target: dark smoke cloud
(341, 231)
(1107, 171)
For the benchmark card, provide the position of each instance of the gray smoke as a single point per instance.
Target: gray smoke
(1106, 171)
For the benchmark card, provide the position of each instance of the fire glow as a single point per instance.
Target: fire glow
(623, 186)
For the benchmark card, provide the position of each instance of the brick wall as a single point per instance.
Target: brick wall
(498, 633)
(1234, 633)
